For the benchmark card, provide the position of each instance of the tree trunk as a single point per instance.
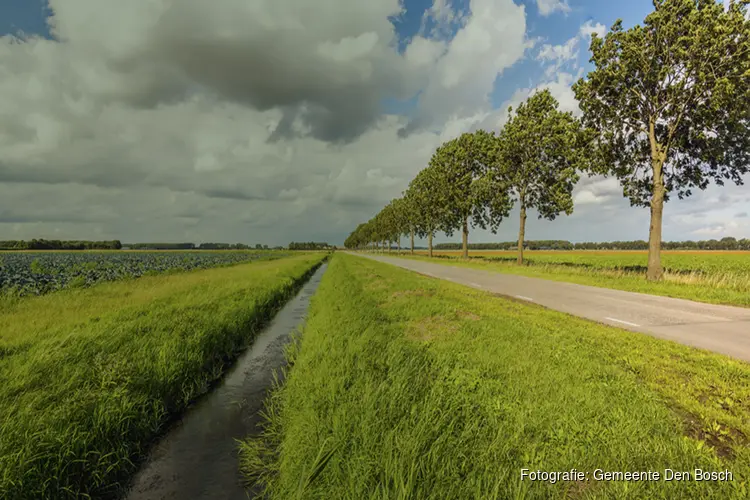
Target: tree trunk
(389, 246)
(429, 244)
(658, 158)
(655, 269)
(398, 242)
(412, 241)
(521, 234)
(465, 238)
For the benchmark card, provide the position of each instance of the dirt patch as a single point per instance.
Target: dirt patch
(578, 489)
(720, 437)
(429, 328)
(468, 315)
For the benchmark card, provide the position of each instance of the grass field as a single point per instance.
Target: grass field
(403, 386)
(91, 376)
(714, 277)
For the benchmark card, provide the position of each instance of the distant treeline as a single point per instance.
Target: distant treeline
(117, 245)
(232, 246)
(193, 246)
(60, 245)
(728, 243)
(310, 245)
(161, 246)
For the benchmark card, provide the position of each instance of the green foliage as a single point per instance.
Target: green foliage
(427, 202)
(420, 388)
(668, 103)
(91, 376)
(162, 246)
(675, 90)
(727, 243)
(36, 273)
(311, 245)
(540, 151)
(713, 277)
(59, 245)
(466, 192)
(224, 246)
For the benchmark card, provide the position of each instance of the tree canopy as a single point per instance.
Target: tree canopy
(540, 149)
(669, 104)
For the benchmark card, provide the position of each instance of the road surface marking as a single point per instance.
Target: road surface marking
(476, 285)
(621, 321)
(524, 298)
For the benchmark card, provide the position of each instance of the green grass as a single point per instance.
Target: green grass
(403, 386)
(717, 278)
(91, 376)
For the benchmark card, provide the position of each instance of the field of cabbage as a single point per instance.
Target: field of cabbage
(37, 273)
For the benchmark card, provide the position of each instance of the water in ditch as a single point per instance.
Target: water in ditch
(198, 458)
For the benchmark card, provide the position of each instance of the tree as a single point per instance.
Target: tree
(668, 102)
(427, 211)
(461, 167)
(540, 149)
(409, 212)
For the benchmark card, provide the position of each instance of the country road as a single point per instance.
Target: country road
(722, 329)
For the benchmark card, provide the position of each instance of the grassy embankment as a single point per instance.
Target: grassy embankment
(713, 277)
(405, 386)
(91, 376)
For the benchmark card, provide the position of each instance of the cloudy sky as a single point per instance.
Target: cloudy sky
(266, 121)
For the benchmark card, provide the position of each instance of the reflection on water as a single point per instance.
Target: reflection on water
(198, 458)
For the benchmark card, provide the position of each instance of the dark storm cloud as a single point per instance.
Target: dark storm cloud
(108, 173)
(230, 194)
(9, 217)
(331, 81)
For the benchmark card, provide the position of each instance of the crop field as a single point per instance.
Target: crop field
(675, 262)
(404, 386)
(91, 376)
(721, 277)
(37, 273)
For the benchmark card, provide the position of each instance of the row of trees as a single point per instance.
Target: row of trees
(60, 245)
(231, 246)
(727, 243)
(310, 245)
(161, 246)
(476, 179)
(193, 246)
(666, 110)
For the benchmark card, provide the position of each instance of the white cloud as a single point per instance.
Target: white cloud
(256, 121)
(459, 84)
(589, 28)
(557, 56)
(547, 7)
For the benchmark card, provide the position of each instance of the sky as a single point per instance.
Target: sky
(270, 121)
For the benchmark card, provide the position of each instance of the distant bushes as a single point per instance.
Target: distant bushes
(310, 245)
(728, 243)
(162, 246)
(60, 245)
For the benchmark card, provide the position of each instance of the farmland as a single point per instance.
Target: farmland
(91, 376)
(37, 273)
(403, 386)
(714, 277)
(675, 262)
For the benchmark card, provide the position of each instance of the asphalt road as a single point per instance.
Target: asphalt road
(722, 329)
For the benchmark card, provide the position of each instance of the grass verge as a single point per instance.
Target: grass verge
(91, 376)
(403, 386)
(728, 288)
